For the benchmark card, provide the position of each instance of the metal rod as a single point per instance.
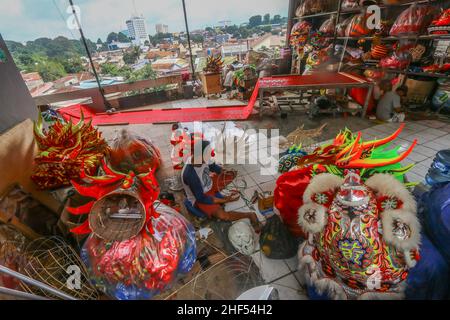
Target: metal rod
(83, 39)
(20, 294)
(189, 40)
(36, 283)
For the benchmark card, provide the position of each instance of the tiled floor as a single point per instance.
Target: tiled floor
(432, 136)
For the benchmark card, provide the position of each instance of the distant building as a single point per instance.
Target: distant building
(66, 81)
(137, 30)
(32, 80)
(268, 41)
(169, 66)
(229, 50)
(222, 38)
(119, 45)
(162, 28)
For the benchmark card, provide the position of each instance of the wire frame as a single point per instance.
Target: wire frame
(223, 277)
(48, 261)
(12, 247)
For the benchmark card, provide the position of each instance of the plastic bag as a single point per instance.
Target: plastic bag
(301, 27)
(341, 27)
(328, 26)
(413, 20)
(358, 26)
(130, 152)
(12, 249)
(311, 7)
(145, 265)
(276, 242)
(350, 4)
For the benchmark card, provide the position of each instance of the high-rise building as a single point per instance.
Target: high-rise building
(137, 30)
(162, 28)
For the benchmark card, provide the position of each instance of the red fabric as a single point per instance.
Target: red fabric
(208, 113)
(219, 183)
(288, 198)
(359, 95)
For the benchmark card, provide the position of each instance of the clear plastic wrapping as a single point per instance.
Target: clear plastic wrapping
(308, 7)
(130, 152)
(342, 27)
(357, 27)
(143, 266)
(413, 20)
(350, 4)
(328, 26)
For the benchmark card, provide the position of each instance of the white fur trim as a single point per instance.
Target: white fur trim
(398, 294)
(320, 183)
(386, 185)
(320, 217)
(333, 289)
(307, 269)
(407, 217)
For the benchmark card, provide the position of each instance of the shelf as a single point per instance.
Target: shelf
(396, 38)
(421, 74)
(408, 73)
(315, 15)
(387, 6)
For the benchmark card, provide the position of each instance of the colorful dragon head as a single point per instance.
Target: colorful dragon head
(348, 151)
(357, 215)
(64, 149)
(144, 186)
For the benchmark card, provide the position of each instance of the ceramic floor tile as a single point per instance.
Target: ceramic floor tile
(416, 157)
(422, 138)
(420, 169)
(292, 263)
(260, 179)
(406, 132)
(427, 162)
(270, 269)
(445, 128)
(415, 126)
(422, 149)
(434, 132)
(445, 140)
(433, 123)
(248, 192)
(435, 146)
(268, 186)
(289, 289)
(413, 177)
(251, 168)
(236, 205)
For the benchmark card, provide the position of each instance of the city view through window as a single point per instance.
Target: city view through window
(134, 40)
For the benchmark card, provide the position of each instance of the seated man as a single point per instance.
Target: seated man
(389, 107)
(202, 183)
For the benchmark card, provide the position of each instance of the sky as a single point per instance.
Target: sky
(23, 20)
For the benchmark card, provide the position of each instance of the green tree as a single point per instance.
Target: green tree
(255, 21)
(73, 64)
(122, 38)
(145, 73)
(50, 70)
(112, 37)
(99, 41)
(276, 19)
(197, 38)
(267, 29)
(266, 18)
(132, 55)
